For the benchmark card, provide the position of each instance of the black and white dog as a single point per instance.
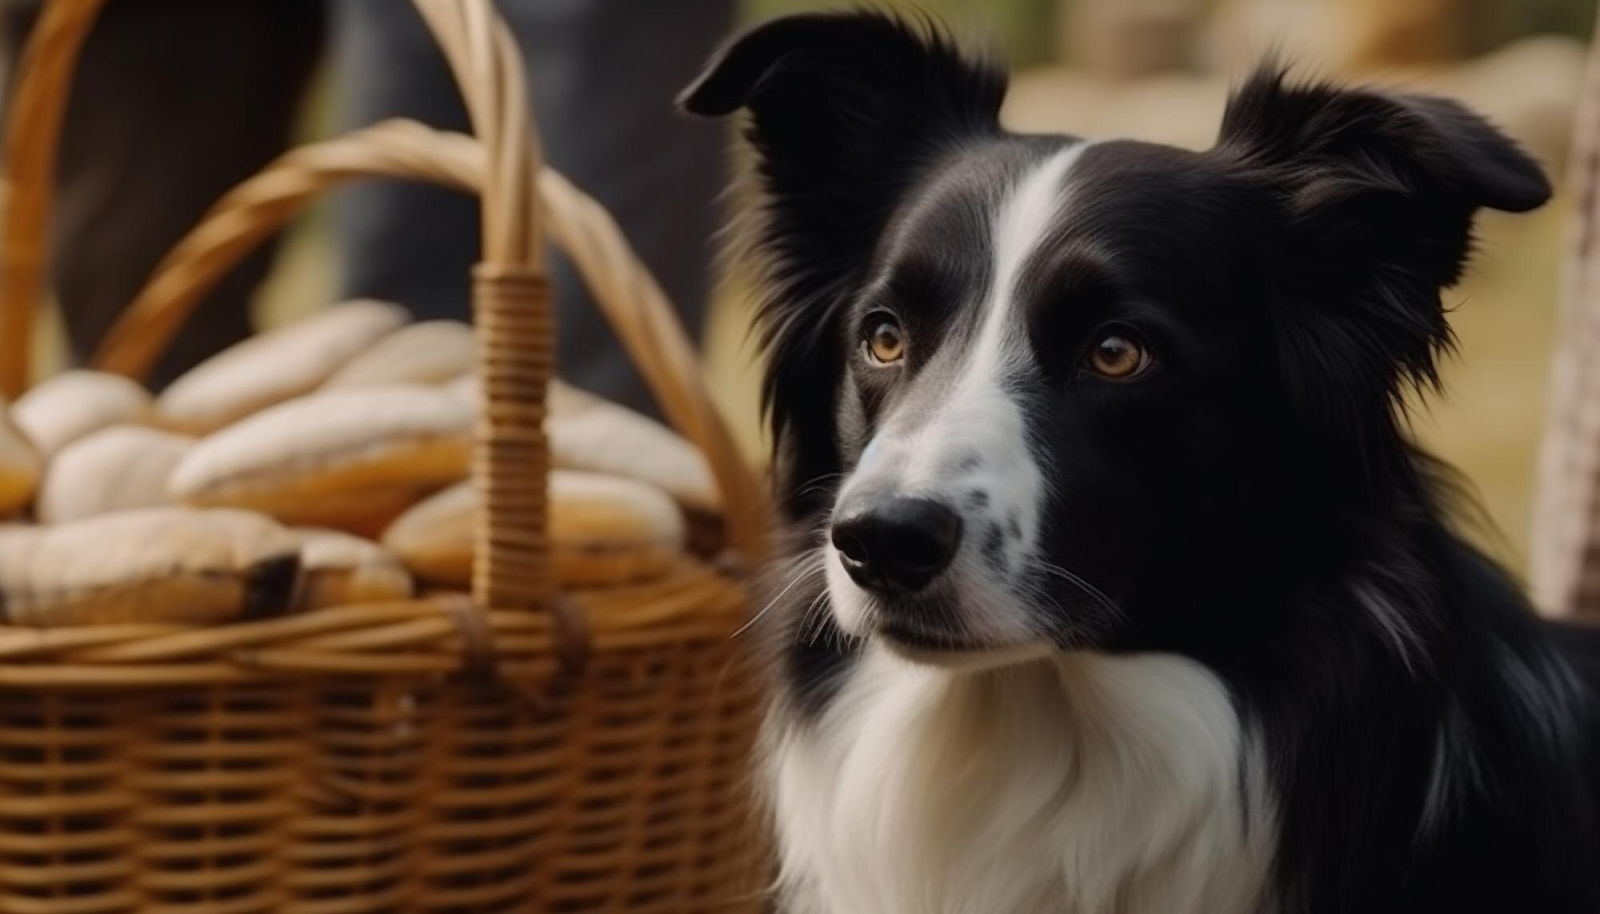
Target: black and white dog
(1125, 589)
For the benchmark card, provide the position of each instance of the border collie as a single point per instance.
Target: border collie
(1120, 584)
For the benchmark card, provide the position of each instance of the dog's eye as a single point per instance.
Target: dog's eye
(885, 342)
(1118, 355)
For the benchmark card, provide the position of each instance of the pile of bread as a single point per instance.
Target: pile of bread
(317, 465)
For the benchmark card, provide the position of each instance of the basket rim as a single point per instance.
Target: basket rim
(419, 638)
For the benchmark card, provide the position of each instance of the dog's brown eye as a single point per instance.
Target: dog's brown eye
(1118, 356)
(886, 343)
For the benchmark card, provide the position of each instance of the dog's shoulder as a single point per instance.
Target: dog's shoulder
(1505, 812)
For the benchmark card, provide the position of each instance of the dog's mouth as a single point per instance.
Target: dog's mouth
(956, 621)
(914, 637)
(931, 648)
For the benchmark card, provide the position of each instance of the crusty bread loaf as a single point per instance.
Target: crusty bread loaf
(274, 366)
(430, 352)
(603, 530)
(591, 433)
(19, 466)
(349, 459)
(113, 469)
(74, 403)
(149, 565)
(340, 569)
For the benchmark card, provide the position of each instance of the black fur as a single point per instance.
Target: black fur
(846, 112)
(1254, 502)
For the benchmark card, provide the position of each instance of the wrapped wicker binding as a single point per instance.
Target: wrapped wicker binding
(517, 749)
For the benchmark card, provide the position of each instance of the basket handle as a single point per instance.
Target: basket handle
(511, 291)
(512, 309)
(43, 79)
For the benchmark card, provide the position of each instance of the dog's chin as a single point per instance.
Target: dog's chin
(962, 657)
(952, 652)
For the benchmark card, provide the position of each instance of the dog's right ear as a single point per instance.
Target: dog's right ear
(846, 112)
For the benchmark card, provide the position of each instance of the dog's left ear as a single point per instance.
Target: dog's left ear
(1379, 194)
(1387, 181)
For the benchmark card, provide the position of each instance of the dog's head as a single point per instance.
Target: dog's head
(1020, 384)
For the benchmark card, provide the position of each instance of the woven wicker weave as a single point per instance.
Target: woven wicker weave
(518, 750)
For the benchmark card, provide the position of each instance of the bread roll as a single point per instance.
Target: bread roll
(19, 466)
(594, 434)
(603, 530)
(114, 469)
(430, 352)
(339, 569)
(274, 366)
(591, 433)
(74, 403)
(348, 459)
(149, 565)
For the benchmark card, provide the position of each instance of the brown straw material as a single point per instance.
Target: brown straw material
(626, 293)
(408, 638)
(521, 751)
(33, 130)
(331, 762)
(512, 309)
(516, 355)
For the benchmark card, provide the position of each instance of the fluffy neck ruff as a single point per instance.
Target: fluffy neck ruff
(1080, 784)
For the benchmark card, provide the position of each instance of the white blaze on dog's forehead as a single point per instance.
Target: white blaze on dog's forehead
(975, 439)
(980, 414)
(1021, 222)
(977, 415)
(1021, 226)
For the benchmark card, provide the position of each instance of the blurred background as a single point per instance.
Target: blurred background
(1159, 70)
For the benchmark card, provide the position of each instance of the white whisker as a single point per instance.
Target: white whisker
(804, 574)
(1098, 595)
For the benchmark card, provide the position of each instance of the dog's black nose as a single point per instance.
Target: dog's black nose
(897, 543)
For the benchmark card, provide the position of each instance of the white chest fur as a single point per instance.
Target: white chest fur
(1081, 785)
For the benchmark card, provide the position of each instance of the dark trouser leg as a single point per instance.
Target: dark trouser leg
(173, 103)
(604, 73)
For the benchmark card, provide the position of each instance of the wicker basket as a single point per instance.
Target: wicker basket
(518, 750)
